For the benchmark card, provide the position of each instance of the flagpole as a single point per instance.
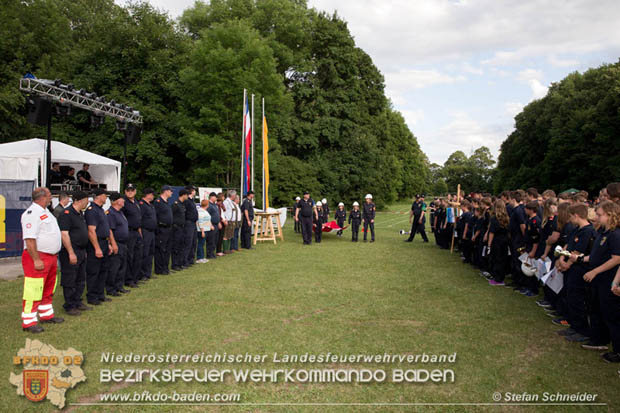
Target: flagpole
(242, 142)
(263, 134)
(252, 185)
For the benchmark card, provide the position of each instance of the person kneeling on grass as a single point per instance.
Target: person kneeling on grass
(203, 226)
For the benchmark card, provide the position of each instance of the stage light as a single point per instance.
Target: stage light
(57, 82)
(70, 87)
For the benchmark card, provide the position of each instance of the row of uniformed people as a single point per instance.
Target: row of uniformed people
(493, 233)
(308, 214)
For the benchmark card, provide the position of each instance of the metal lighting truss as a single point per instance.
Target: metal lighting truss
(66, 95)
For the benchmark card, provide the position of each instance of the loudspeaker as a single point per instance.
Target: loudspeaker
(133, 133)
(38, 110)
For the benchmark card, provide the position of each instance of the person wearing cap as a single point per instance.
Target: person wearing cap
(148, 226)
(191, 216)
(297, 223)
(99, 248)
(325, 208)
(212, 236)
(163, 239)
(73, 254)
(341, 217)
(368, 214)
(319, 219)
(417, 218)
(247, 211)
(304, 213)
(179, 252)
(355, 220)
(131, 211)
(119, 226)
(42, 241)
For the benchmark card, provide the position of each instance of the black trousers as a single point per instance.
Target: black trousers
(340, 223)
(499, 260)
(246, 234)
(96, 271)
(355, 230)
(117, 269)
(576, 296)
(179, 253)
(605, 316)
(416, 227)
(318, 232)
(212, 237)
(297, 224)
(134, 256)
(367, 224)
(163, 241)
(190, 242)
(148, 250)
(515, 266)
(306, 229)
(72, 277)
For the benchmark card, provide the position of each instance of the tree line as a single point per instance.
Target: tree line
(332, 129)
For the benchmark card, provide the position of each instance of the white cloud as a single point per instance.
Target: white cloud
(533, 77)
(418, 79)
(512, 109)
(462, 133)
(412, 117)
(559, 62)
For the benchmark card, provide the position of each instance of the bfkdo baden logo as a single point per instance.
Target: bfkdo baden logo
(35, 384)
(47, 372)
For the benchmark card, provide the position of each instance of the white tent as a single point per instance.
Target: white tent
(27, 160)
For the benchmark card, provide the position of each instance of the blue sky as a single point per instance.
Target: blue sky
(460, 70)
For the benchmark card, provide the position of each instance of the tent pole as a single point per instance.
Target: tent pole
(48, 161)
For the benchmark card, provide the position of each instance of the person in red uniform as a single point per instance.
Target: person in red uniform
(42, 242)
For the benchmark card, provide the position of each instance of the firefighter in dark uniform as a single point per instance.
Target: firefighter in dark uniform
(178, 232)
(368, 214)
(191, 216)
(98, 248)
(73, 254)
(355, 219)
(418, 215)
(325, 208)
(305, 212)
(319, 220)
(297, 223)
(131, 210)
(247, 217)
(163, 239)
(341, 216)
(118, 262)
(148, 226)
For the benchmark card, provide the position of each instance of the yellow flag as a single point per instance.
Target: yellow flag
(265, 166)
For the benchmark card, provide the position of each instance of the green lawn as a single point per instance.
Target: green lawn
(339, 297)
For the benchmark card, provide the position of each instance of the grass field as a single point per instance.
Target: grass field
(340, 297)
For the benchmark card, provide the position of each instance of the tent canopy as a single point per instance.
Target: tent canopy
(27, 160)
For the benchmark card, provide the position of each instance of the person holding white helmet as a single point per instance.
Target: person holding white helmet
(319, 219)
(355, 219)
(341, 217)
(297, 223)
(369, 218)
(325, 210)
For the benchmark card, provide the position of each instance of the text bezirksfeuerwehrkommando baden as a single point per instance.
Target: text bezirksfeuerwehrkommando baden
(132, 357)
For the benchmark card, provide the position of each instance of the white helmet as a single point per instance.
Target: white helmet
(319, 203)
(356, 203)
(324, 200)
(368, 196)
(340, 204)
(528, 270)
(298, 199)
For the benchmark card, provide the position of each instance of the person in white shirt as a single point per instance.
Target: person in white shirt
(237, 216)
(42, 242)
(203, 225)
(230, 215)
